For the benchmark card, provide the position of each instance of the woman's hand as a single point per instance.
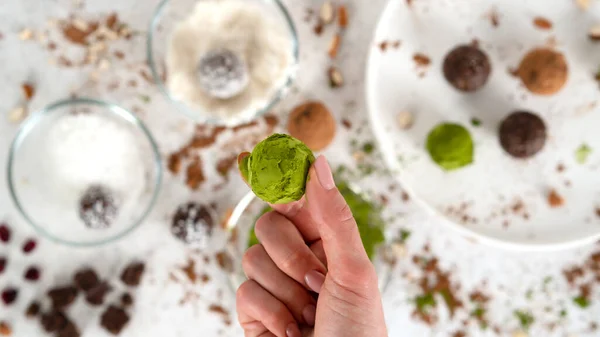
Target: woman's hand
(310, 247)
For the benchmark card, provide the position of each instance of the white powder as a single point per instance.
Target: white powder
(93, 149)
(262, 48)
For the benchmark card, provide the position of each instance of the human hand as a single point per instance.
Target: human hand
(308, 247)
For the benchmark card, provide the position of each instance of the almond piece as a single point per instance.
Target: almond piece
(16, 115)
(326, 13)
(404, 120)
(594, 33)
(336, 79)
(26, 34)
(334, 46)
(554, 199)
(28, 91)
(342, 16)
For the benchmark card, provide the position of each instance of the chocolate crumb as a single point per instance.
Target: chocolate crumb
(346, 123)
(62, 297)
(70, 330)
(126, 300)
(383, 46)
(132, 274)
(95, 296)
(224, 165)
(54, 321)
(33, 309)
(554, 199)
(114, 319)
(224, 261)
(542, 23)
(421, 60)
(195, 174)
(28, 91)
(86, 279)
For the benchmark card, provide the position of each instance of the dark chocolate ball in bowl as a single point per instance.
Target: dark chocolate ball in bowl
(522, 134)
(467, 68)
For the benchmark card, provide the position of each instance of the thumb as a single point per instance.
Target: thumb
(347, 259)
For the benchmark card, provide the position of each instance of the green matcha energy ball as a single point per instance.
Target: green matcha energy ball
(450, 146)
(277, 169)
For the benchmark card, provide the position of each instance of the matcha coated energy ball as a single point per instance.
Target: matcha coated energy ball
(450, 146)
(277, 169)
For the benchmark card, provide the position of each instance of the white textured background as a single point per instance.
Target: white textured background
(158, 311)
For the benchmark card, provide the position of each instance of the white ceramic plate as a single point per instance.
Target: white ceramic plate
(482, 200)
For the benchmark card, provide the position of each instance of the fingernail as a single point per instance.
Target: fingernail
(292, 330)
(309, 313)
(314, 280)
(324, 173)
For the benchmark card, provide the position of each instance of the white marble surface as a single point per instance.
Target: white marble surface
(157, 310)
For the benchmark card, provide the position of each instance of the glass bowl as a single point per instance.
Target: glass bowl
(83, 172)
(250, 208)
(168, 15)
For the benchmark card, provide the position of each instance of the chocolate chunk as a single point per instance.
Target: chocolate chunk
(33, 309)
(126, 300)
(467, 68)
(114, 319)
(522, 134)
(54, 321)
(96, 295)
(132, 275)
(62, 297)
(86, 279)
(192, 224)
(97, 207)
(70, 330)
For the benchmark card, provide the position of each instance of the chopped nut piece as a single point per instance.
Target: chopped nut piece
(26, 34)
(5, 329)
(404, 119)
(359, 156)
(17, 114)
(594, 33)
(326, 13)
(104, 64)
(342, 16)
(554, 199)
(80, 24)
(28, 91)
(334, 46)
(336, 79)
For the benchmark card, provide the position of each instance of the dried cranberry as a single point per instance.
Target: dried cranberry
(4, 233)
(32, 274)
(29, 245)
(9, 295)
(2, 264)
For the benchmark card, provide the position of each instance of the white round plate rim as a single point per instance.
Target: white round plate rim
(387, 147)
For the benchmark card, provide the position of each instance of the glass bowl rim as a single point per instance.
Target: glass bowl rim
(191, 113)
(24, 131)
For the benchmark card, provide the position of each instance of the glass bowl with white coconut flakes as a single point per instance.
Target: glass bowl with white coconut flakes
(223, 62)
(84, 172)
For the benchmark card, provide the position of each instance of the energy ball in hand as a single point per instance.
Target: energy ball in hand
(277, 169)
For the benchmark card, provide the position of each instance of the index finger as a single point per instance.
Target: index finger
(297, 211)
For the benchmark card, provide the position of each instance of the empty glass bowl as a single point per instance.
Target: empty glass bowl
(220, 69)
(250, 208)
(84, 172)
